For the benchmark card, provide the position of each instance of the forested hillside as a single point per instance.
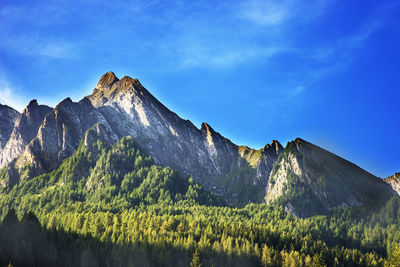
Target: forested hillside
(109, 204)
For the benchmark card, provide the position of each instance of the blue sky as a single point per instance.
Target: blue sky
(326, 71)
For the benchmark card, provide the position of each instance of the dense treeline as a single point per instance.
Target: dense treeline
(112, 206)
(256, 235)
(103, 177)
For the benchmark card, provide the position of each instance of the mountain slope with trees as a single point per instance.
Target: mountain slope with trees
(117, 179)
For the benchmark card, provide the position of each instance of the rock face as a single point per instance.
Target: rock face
(211, 159)
(394, 182)
(59, 135)
(126, 108)
(310, 180)
(302, 176)
(8, 116)
(25, 129)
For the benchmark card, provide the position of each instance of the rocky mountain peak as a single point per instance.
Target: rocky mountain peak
(67, 100)
(298, 141)
(24, 130)
(123, 107)
(395, 176)
(32, 103)
(65, 105)
(394, 182)
(275, 146)
(8, 116)
(212, 137)
(107, 81)
(206, 129)
(306, 173)
(32, 109)
(109, 87)
(127, 83)
(278, 147)
(6, 111)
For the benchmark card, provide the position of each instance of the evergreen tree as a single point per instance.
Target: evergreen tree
(195, 260)
(267, 257)
(317, 261)
(393, 259)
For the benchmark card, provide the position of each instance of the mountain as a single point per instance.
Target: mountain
(58, 136)
(110, 173)
(237, 173)
(303, 177)
(25, 129)
(394, 182)
(309, 180)
(8, 116)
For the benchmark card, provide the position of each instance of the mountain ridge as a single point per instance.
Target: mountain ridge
(24, 130)
(8, 116)
(238, 174)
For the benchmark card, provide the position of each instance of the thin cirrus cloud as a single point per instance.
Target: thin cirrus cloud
(265, 13)
(320, 60)
(341, 53)
(235, 33)
(36, 45)
(10, 97)
(248, 31)
(275, 13)
(24, 31)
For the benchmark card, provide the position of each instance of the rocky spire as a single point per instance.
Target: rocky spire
(24, 130)
(107, 81)
(206, 129)
(8, 117)
(32, 103)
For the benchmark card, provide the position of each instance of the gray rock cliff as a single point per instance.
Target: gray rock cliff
(394, 182)
(25, 129)
(310, 180)
(8, 116)
(306, 179)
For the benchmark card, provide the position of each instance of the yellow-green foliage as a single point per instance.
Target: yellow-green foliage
(252, 156)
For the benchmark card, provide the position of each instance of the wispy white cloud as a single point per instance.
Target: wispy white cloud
(265, 13)
(9, 96)
(220, 35)
(35, 45)
(339, 54)
(228, 42)
(24, 30)
(274, 13)
(197, 56)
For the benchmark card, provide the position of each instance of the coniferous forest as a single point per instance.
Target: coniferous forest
(173, 133)
(111, 205)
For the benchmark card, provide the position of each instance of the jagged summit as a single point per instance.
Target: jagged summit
(299, 140)
(110, 87)
(275, 145)
(395, 176)
(128, 83)
(106, 81)
(8, 116)
(24, 130)
(206, 129)
(33, 106)
(129, 80)
(32, 103)
(64, 102)
(394, 182)
(42, 138)
(310, 180)
(109, 82)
